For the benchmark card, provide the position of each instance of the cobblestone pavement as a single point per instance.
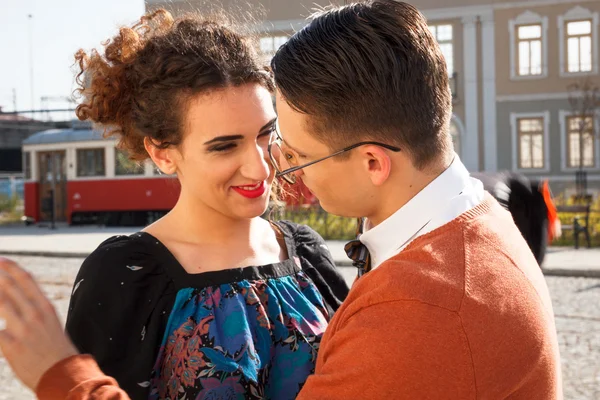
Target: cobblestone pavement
(576, 306)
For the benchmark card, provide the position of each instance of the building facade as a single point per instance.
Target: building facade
(513, 64)
(13, 130)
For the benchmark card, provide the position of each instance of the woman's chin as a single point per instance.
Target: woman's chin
(256, 209)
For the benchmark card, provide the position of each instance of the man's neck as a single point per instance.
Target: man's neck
(401, 188)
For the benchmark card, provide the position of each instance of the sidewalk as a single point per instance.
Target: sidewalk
(80, 241)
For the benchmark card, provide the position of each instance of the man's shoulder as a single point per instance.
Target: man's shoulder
(413, 276)
(443, 266)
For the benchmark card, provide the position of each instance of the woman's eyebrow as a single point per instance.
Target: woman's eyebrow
(226, 138)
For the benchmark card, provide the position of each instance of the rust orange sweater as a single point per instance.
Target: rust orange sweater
(462, 313)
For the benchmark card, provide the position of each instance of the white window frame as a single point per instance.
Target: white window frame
(514, 128)
(527, 18)
(450, 67)
(272, 39)
(576, 14)
(564, 148)
(27, 165)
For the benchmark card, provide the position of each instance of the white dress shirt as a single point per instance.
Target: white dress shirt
(444, 199)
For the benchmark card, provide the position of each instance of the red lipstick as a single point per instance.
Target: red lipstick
(251, 191)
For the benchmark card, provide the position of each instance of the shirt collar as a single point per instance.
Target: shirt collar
(387, 238)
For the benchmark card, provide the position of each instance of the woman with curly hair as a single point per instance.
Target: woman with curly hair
(210, 301)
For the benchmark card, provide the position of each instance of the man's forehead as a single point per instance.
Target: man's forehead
(294, 127)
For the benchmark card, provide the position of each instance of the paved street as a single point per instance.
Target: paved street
(79, 241)
(576, 305)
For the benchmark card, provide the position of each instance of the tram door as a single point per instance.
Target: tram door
(53, 185)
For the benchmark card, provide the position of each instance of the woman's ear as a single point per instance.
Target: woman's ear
(163, 158)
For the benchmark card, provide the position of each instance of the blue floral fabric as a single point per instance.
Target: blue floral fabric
(253, 339)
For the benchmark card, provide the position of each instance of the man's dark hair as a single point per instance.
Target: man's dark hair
(369, 70)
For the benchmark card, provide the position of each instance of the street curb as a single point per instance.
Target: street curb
(575, 273)
(54, 254)
(566, 272)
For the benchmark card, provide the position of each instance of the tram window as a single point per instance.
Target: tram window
(27, 164)
(125, 166)
(90, 162)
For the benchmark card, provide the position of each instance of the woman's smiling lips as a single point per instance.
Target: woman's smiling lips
(251, 191)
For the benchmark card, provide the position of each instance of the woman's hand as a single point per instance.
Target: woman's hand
(33, 339)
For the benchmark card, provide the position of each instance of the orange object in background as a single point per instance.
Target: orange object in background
(554, 226)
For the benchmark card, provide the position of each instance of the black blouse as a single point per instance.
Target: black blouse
(125, 291)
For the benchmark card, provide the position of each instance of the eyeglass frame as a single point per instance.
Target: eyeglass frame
(285, 173)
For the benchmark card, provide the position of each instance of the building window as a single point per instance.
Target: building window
(580, 142)
(90, 162)
(529, 45)
(125, 166)
(443, 35)
(579, 46)
(270, 44)
(578, 33)
(530, 143)
(27, 164)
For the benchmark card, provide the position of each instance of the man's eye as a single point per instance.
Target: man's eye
(263, 136)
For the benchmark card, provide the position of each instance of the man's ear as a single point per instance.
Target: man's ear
(377, 163)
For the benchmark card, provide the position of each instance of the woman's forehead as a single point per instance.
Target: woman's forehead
(235, 111)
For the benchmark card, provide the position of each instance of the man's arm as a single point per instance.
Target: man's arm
(78, 378)
(399, 350)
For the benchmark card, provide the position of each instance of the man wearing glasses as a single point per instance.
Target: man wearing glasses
(449, 303)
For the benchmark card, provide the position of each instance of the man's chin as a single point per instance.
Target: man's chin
(340, 210)
(330, 209)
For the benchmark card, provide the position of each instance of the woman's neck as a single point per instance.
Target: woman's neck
(200, 223)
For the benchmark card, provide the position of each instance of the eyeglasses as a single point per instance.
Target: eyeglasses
(285, 162)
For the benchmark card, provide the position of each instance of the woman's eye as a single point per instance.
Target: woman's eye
(224, 147)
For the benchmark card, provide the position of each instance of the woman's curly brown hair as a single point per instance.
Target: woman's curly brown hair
(141, 85)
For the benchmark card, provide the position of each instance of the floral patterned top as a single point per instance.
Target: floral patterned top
(246, 333)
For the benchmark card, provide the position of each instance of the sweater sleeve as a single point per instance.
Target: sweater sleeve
(397, 349)
(78, 378)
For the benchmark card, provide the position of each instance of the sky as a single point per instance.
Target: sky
(56, 30)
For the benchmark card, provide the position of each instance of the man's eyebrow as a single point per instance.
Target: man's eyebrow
(227, 138)
(268, 125)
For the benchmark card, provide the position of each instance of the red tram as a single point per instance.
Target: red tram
(77, 176)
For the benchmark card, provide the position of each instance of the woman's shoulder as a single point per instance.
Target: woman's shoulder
(317, 262)
(302, 234)
(123, 253)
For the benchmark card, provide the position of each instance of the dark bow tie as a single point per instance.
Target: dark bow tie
(358, 252)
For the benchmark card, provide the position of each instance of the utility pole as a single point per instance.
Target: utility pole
(31, 75)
